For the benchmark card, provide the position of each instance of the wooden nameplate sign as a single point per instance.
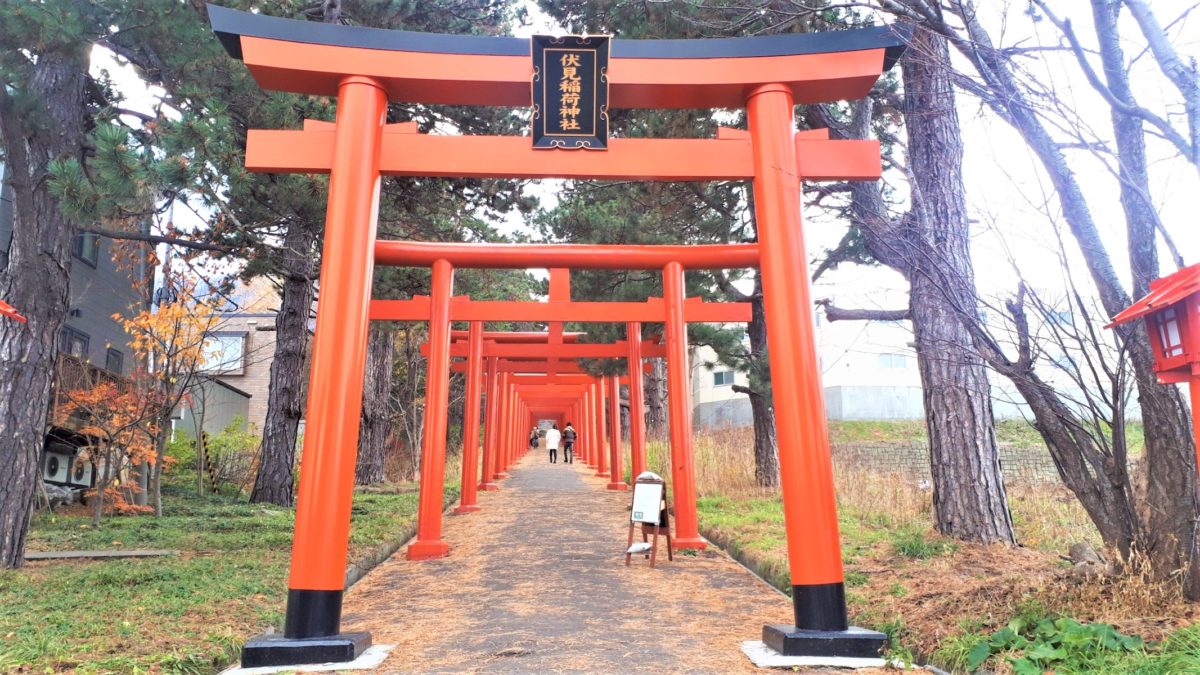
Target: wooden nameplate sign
(649, 510)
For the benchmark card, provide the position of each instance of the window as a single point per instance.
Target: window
(1168, 331)
(114, 361)
(225, 352)
(74, 343)
(87, 248)
(722, 378)
(893, 361)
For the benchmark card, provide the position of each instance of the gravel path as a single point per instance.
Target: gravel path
(536, 582)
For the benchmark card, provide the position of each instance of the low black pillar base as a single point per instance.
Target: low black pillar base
(277, 650)
(854, 642)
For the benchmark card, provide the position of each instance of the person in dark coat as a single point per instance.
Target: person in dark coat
(568, 438)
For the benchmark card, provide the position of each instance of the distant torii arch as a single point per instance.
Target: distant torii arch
(365, 68)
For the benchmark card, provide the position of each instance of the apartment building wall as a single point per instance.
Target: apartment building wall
(252, 334)
(99, 288)
(714, 402)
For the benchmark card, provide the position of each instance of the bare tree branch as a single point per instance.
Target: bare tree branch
(835, 313)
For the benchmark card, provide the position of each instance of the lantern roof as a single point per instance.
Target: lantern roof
(1163, 293)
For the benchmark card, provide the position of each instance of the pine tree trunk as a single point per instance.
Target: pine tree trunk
(762, 408)
(968, 492)
(656, 413)
(377, 410)
(36, 277)
(285, 405)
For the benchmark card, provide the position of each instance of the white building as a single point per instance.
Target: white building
(869, 370)
(714, 402)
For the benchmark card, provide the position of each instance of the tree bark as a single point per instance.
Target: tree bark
(969, 500)
(930, 246)
(285, 405)
(656, 412)
(377, 408)
(1167, 444)
(762, 407)
(36, 277)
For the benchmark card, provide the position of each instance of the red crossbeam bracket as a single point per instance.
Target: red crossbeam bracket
(679, 159)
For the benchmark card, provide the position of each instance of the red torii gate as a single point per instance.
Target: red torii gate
(673, 309)
(365, 68)
(567, 376)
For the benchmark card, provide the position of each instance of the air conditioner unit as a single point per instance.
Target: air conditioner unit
(81, 473)
(56, 467)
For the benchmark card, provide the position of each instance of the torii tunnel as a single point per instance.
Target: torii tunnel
(366, 68)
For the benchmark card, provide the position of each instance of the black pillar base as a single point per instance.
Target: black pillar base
(853, 642)
(277, 650)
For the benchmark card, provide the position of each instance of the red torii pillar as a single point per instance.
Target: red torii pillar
(514, 429)
(589, 443)
(637, 399)
(429, 543)
(679, 411)
(505, 427)
(322, 534)
(617, 470)
(598, 402)
(577, 422)
(491, 421)
(805, 465)
(470, 457)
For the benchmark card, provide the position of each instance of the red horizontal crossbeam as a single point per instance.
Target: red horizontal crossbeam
(539, 352)
(558, 368)
(515, 336)
(417, 309)
(675, 159)
(574, 256)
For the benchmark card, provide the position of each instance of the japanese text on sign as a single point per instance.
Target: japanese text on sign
(570, 92)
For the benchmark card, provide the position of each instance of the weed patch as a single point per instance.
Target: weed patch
(1062, 645)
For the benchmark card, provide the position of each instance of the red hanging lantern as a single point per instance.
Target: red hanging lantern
(1171, 311)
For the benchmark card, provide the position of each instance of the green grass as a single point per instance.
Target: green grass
(871, 431)
(920, 545)
(1013, 432)
(186, 614)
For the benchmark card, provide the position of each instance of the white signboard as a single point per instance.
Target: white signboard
(647, 502)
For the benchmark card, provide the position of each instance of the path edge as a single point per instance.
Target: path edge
(777, 580)
(355, 571)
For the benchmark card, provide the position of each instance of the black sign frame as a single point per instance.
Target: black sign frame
(570, 92)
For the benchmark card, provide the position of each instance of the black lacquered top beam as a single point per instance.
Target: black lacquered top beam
(230, 25)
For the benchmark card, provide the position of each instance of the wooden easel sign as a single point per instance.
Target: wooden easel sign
(649, 510)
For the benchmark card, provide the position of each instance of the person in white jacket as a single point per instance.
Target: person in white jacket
(552, 437)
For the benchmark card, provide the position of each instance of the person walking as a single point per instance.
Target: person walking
(553, 435)
(568, 441)
(533, 437)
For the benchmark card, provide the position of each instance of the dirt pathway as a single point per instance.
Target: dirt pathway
(536, 582)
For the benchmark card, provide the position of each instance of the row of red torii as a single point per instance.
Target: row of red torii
(531, 376)
(365, 69)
